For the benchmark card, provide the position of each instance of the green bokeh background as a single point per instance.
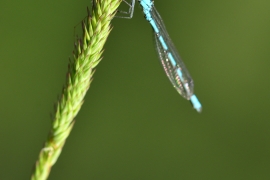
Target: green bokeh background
(133, 124)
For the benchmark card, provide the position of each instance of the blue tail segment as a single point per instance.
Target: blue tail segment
(196, 103)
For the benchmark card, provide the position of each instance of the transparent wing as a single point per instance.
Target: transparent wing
(168, 68)
(177, 74)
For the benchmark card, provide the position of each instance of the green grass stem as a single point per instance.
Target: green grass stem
(87, 55)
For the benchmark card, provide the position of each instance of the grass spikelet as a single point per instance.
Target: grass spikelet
(87, 54)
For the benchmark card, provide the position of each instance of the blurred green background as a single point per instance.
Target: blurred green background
(134, 125)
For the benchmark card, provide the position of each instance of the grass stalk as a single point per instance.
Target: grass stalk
(87, 55)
